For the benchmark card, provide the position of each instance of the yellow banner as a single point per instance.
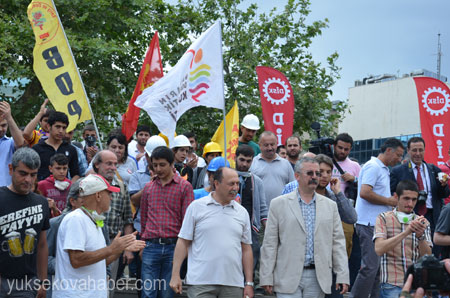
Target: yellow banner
(54, 65)
(232, 133)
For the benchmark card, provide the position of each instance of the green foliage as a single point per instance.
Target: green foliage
(109, 39)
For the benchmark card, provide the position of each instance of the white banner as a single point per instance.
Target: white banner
(196, 80)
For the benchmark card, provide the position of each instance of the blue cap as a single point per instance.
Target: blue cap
(218, 163)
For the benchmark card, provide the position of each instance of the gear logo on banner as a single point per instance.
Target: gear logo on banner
(436, 101)
(276, 91)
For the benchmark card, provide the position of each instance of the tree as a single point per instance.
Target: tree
(109, 39)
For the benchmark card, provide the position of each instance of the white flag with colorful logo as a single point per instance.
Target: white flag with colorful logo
(196, 80)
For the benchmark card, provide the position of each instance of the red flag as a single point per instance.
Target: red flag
(151, 72)
(277, 102)
(434, 103)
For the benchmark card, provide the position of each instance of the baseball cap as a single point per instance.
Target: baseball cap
(94, 183)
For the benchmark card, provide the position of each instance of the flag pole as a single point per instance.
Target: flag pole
(223, 92)
(81, 80)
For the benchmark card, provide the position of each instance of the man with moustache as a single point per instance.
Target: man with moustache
(303, 241)
(217, 229)
(293, 149)
(274, 171)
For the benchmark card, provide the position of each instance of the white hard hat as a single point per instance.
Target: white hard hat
(250, 121)
(153, 142)
(181, 141)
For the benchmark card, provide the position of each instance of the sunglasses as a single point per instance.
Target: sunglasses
(311, 173)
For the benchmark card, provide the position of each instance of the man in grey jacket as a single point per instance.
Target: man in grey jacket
(251, 192)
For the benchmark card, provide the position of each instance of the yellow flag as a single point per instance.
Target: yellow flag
(232, 133)
(54, 65)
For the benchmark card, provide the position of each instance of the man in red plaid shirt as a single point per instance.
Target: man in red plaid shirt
(163, 204)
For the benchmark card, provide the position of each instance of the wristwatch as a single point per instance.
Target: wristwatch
(249, 283)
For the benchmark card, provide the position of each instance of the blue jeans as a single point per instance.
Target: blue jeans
(389, 291)
(156, 272)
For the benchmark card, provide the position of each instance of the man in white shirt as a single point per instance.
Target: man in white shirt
(82, 254)
(374, 197)
(216, 236)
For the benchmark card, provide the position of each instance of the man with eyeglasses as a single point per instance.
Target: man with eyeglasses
(304, 241)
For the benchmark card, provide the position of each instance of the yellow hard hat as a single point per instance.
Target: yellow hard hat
(165, 138)
(211, 147)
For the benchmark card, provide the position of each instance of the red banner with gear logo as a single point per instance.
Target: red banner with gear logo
(434, 103)
(277, 102)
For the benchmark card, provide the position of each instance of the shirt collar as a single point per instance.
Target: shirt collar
(303, 202)
(211, 201)
(175, 179)
(259, 156)
(379, 162)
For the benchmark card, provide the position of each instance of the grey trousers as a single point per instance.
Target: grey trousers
(214, 291)
(308, 288)
(367, 281)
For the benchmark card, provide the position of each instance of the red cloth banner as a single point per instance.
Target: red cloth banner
(277, 102)
(434, 103)
(151, 72)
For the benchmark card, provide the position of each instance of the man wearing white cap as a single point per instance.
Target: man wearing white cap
(249, 127)
(82, 254)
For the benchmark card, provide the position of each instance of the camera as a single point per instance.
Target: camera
(321, 145)
(430, 274)
(423, 195)
(90, 141)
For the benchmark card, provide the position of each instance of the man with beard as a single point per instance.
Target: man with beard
(274, 171)
(249, 127)
(293, 149)
(142, 135)
(303, 241)
(251, 191)
(119, 218)
(342, 146)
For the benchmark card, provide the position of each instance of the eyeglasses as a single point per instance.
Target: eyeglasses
(311, 173)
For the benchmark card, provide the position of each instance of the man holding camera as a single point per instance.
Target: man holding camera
(432, 191)
(401, 237)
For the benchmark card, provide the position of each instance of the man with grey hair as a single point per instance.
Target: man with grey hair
(74, 201)
(274, 171)
(119, 217)
(302, 246)
(24, 219)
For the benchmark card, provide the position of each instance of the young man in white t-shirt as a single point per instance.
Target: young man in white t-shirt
(82, 254)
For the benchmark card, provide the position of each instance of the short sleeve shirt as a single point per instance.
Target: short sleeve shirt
(375, 174)
(22, 218)
(217, 233)
(274, 174)
(78, 232)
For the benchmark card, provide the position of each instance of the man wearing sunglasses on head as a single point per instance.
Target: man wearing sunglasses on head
(304, 241)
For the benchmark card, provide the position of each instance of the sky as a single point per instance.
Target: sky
(378, 37)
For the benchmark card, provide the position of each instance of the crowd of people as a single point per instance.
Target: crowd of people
(283, 221)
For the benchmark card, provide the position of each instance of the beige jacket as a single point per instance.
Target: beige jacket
(283, 249)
